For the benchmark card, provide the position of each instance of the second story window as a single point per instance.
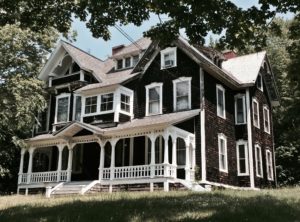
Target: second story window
(255, 111)
(127, 62)
(62, 108)
(107, 101)
(154, 99)
(222, 143)
(240, 109)
(119, 63)
(125, 102)
(182, 93)
(168, 57)
(220, 101)
(77, 108)
(91, 105)
(266, 113)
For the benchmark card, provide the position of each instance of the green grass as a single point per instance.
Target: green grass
(227, 205)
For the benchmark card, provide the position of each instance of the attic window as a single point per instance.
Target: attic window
(128, 62)
(168, 57)
(259, 82)
(120, 64)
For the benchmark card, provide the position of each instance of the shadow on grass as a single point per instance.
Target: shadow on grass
(189, 207)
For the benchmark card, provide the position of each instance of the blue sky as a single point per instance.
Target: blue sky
(102, 49)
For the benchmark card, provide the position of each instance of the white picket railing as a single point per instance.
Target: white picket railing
(141, 171)
(41, 177)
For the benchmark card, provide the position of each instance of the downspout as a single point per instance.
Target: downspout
(250, 144)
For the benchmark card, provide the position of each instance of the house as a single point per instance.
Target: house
(152, 117)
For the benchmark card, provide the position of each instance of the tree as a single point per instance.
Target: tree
(23, 53)
(197, 18)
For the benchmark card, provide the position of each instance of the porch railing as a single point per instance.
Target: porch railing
(137, 172)
(43, 177)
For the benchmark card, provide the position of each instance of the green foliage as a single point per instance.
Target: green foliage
(241, 25)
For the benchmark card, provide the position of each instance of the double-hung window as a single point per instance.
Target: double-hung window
(182, 93)
(242, 158)
(222, 144)
(220, 91)
(168, 57)
(154, 99)
(107, 102)
(259, 82)
(62, 108)
(258, 161)
(125, 102)
(266, 114)
(255, 111)
(269, 165)
(240, 109)
(91, 105)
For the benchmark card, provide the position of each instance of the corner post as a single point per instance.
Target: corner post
(174, 154)
(70, 161)
(60, 149)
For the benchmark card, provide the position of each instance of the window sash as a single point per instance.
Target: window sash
(269, 165)
(242, 158)
(107, 102)
(154, 100)
(125, 102)
(62, 114)
(258, 159)
(266, 120)
(222, 154)
(220, 102)
(255, 110)
(240, 110)
(90, 105)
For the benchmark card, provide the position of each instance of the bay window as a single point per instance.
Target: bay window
(182, 93)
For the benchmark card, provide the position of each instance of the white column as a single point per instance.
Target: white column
(21, 165)
(193, 160)
(166, 156)
(152, 159)
(131, 150)
(187, 160)
(112, 159)
(102, 155)
(29, 171)
(70, 160)
(174, 154)
(60, 149)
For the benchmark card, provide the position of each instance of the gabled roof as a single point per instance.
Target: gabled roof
(245, 68)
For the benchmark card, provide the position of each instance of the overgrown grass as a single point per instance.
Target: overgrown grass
(227, 205)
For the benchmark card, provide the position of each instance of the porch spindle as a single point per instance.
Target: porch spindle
(60, 149)
(21, 164)
(70, 160)
(187, 160)
(29, 171)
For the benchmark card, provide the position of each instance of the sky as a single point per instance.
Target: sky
(102, 49)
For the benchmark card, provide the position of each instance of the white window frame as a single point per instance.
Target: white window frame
(221, 136)
(266, 109)
(63, 95)
(236, 97)
(254, 100)
(259, 170)
(221, 88)
(245, 143)
(179, 80)
(113, 103)
(269, 163)
(162, 57)
(261, 82)
(97, 106)
(74, 107)
(148, 87)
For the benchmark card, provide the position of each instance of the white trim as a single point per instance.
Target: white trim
(202, 126)
(240, 96)
(162, 58)
(254, 100)
(245, 144)
(63, 95)
(179, 80)
(221, 88)
(259, 173)
(148, 87)
(221, 136)
(269, 162)
(261, 82)
(265, 108)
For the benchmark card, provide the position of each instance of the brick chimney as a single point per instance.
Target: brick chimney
(116, 49)
(229, 54)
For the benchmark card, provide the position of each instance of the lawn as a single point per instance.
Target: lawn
(223, 205)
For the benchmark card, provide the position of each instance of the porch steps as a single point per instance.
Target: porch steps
(71, 188)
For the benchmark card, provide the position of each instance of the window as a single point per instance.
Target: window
(255, 110)
(168, 58)
(222, 143)
(221, 101)
(91, 105)
(258, 161)
(266, 119)
(62, 108)
(182, 93)
(125, 103)
(128, 62)
(107, 102)
(242, 158)
(240, 109)
(42, 123)
(269, 165)
(154, 99)
(77, 108)
(135, 60)
(259, 82)
(119, 63)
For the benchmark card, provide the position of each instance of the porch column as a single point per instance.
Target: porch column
(21, 165)
(70, 160)
(174, 155)
(60, 149)
(187, 159)
(131, 152)
(112, 159)
(193, 160)
(166, 156)
(101, 165)
(152, 158)
(29, 171)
